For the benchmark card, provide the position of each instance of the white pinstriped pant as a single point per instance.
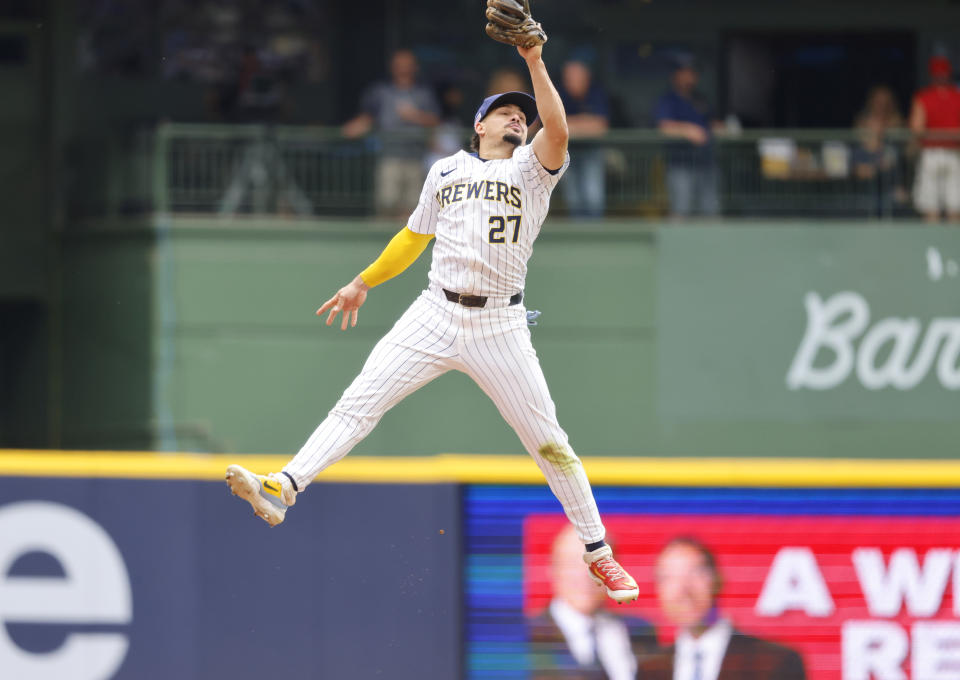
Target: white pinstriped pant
(493, 347)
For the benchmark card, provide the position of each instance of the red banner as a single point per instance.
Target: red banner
(860, 598)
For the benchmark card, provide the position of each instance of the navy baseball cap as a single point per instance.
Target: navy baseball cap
(526, 103)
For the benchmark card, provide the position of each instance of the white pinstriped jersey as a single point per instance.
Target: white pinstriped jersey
(486, 216)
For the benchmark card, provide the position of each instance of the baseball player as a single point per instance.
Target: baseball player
(485, 210)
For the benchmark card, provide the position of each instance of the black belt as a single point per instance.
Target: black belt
(477, 300)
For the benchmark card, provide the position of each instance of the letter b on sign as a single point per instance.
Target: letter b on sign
(94, 590)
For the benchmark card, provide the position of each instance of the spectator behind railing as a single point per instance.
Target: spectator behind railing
(588, 116)
(401, 111)
(257, 92)
(684, 115)
(876, 156)
(880, 115)
(936, 109)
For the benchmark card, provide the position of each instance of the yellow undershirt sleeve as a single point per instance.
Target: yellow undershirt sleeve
(399, 254)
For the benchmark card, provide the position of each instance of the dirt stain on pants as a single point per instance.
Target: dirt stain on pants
(560, 457)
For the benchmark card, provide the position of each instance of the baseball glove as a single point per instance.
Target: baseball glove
(510, 22)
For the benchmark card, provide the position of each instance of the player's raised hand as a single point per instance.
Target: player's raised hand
(347, 300)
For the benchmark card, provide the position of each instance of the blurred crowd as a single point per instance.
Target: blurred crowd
(248, 55)
(245, 53)
(400, 106)
(417, 124)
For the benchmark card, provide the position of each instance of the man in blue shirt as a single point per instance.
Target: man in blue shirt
(401, 111)
(588, 115)
(683, 115)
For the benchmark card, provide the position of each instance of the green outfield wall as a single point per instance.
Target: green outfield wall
(200, 334)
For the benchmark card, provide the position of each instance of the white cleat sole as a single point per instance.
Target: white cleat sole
(245, 484)
(623, 596)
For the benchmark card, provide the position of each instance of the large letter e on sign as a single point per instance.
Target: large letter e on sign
(95, 589)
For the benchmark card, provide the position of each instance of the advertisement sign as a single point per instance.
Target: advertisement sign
(125, 579)
(854, 585)
(809, 323)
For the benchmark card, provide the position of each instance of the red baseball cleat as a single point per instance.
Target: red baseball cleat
(608, 573)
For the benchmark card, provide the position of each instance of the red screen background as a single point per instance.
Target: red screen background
(745, 547)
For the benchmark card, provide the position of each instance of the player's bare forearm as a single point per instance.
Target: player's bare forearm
(549, 105)
(348, 300)
(550, 144)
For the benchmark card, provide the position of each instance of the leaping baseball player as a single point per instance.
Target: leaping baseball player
(485, 210)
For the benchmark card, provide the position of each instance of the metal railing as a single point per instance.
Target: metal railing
(311, 171)
(261, 170)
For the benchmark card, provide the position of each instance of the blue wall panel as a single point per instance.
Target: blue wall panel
(358, 582)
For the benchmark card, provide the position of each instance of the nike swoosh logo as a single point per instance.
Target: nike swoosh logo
(270, 487)
(444, 174)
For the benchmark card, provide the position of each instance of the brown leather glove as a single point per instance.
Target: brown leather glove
(510, 22)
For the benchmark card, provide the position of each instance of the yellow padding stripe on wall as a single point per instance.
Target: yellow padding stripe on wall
(777, 472)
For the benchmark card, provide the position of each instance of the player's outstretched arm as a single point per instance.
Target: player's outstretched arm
(400, 253)
(550, 144)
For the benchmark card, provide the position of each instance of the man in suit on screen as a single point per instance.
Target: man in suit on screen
(707, 646)
(577, 637)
